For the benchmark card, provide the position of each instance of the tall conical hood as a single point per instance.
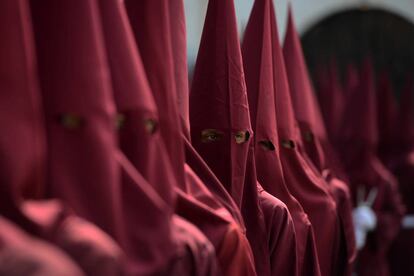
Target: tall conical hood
(22, 144)
(259, 43)
(179, 48)
(303, 97)
(331, 98)
(218, 97)
(386, 117)
(156, 50)
(360, 119)
(137, 113)
(195, 162)
(220, 122)
(406, 117)
(84, 162)
(307, 186)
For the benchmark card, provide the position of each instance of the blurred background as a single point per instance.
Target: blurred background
(344, 30)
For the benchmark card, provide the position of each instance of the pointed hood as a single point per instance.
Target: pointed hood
(406, 117)
(305, 106)
(137, 113)
(179, 48)
(220, 122)
(218, 98)
(157, 56)
(259, 43)
(195, 162)
(84, 161)
(304, 100)
(305, 185)
(23, 147)
(360, 119)
(386, 117)
(331, 98)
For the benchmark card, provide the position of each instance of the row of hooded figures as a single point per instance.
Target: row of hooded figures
(112, 164)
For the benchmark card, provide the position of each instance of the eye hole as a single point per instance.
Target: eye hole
(267, 145)
(241, 136)
(211, 135)
(71, 121)
(308, 135)
(151, 125)
(288, 144)
(120, 120)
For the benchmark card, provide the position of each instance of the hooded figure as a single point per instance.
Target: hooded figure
(209, 105)
(387, 119)
(402, 164)
(260, 41)
(236, 250)
(83, 157)
(193, 159)
(367, 174)
(317, 146)
(331, 103)
(331, 98)
(24, 165)
(220, 130)
(195, 202)
(307, 187)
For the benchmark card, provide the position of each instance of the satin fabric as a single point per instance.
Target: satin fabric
(316, 145)
(195, 201)
(23, 167)
(84, 162)
(366, 172)
(22, 254)
(302, 181)
(218, 101)
(179, 54)
(259, 42)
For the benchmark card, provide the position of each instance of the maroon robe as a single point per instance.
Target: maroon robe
(317, 146)
(23, 169)
(21, 254)
(85, 165)
(178, 43)
(358, 152)
(195, 202)
(208, 109)
(307, 187)
(260, 78)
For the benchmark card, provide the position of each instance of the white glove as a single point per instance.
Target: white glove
(364, 217)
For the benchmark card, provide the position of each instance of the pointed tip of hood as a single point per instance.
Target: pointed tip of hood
(305, 105)
(360, 124)
(218, 96)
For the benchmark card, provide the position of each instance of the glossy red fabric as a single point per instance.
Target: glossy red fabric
(21, 254)
(195, 201)
(316, 145)
(179, 50)
(218, 101)
(259, 42)
(23, 170)
(84, 165)
(358, 146)
(302, 181)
